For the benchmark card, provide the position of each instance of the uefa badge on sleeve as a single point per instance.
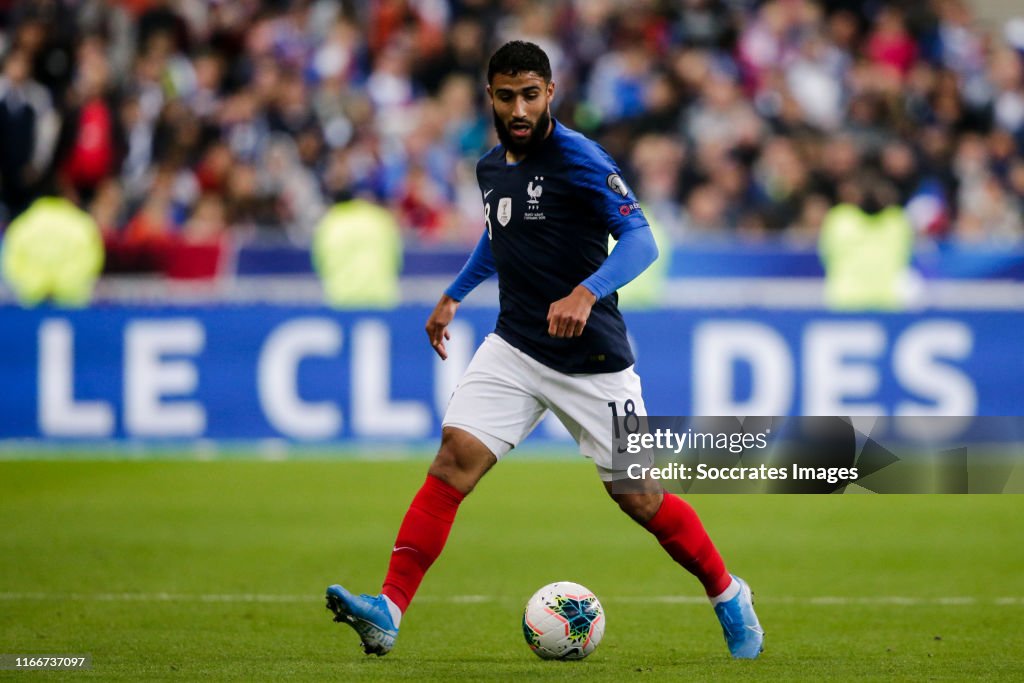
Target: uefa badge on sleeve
(617, 184)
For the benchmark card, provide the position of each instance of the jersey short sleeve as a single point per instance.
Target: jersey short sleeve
(601, 180)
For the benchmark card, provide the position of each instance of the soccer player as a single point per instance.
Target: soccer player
(551, 198)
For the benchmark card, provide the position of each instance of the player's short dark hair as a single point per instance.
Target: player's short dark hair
(519, 56)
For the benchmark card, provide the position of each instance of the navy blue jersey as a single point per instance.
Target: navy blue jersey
(548, 218)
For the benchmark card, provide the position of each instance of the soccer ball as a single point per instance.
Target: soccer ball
(563, 620)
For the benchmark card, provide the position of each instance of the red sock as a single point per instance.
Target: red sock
(678, 529)
(420, 539)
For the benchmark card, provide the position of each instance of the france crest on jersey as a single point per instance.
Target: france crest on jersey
(548, 218)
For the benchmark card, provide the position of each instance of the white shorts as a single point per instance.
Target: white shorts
(504, 393)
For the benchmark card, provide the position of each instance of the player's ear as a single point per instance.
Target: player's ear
(551, 89)
(489, 93)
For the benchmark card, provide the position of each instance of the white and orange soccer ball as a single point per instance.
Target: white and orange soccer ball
(563, 620)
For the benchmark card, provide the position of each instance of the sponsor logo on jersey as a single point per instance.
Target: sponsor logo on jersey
(617, 184)
(627, 209)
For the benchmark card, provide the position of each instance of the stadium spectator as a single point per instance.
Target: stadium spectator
(153, 223)
(107, 208)
(357, 252)
(92, 144)
(52, 252)
(989, 214)
(890, 44)
(619, 81)
(657, 163)
(208, 222)
(705, 212)
(462, 54)
(865, 246)
(706, 24)
(28, 128)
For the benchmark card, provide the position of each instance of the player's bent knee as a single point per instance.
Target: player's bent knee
(461, 461)
(640, 506)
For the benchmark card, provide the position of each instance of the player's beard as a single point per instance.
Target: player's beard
(537, 135)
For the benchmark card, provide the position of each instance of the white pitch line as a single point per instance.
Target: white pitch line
(157, 597)
(820, 600)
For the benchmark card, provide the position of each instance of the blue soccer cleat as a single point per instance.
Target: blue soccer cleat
(743, 633)
(368, 615)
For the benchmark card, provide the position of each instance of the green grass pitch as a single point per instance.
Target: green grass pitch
(177, 570)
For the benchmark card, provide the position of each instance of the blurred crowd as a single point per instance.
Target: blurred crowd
(197, 121)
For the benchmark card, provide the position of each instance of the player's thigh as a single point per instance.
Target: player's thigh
(586, 405)
(497, 398)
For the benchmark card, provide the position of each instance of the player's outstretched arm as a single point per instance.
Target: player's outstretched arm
(568, 316)
(437, 324)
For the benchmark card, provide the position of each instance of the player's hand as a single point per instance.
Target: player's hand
(437, 324)
(567, 317)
